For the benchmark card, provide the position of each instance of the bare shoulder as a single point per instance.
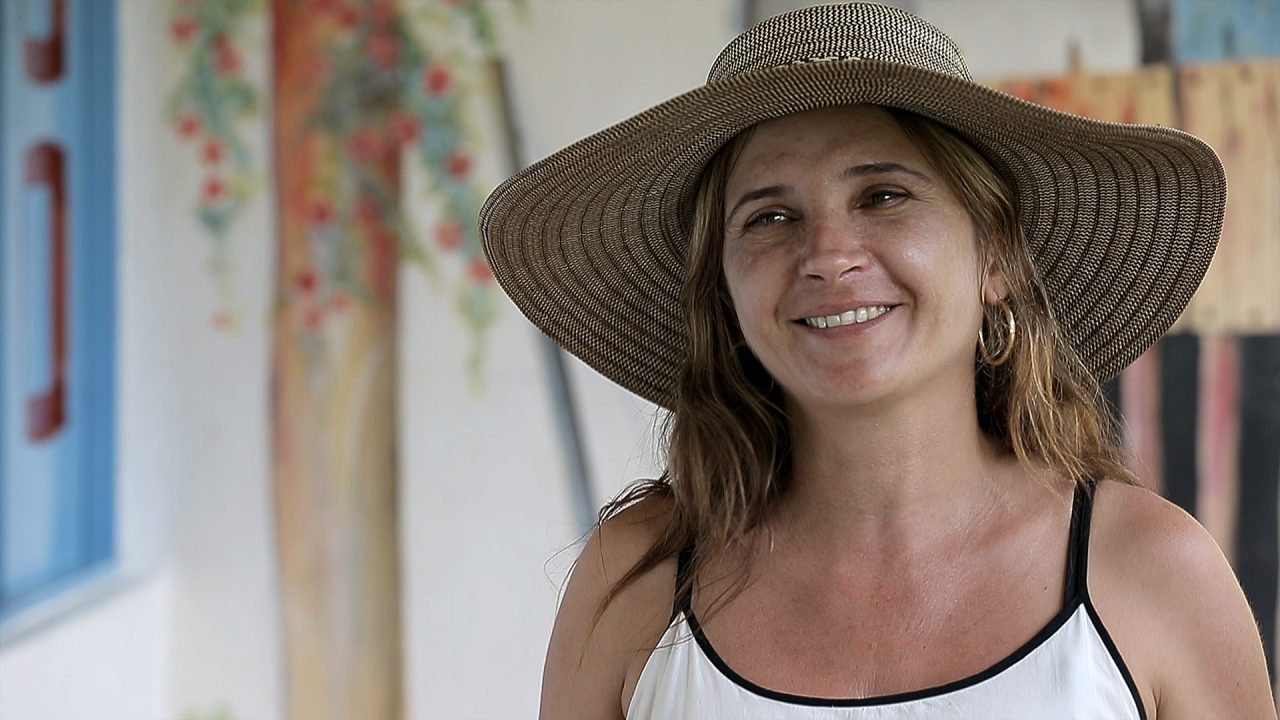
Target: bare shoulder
(1174, 608)
(589, 655)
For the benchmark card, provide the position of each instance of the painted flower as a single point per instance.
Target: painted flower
(368, 213)
(306, 280)
(226, 57)
(319, 71)
(340, 301)
(188, 126)
(458, 164)
(221, 320)
(365, 145)
(313, 320)
(183, 29)
(347, 15)
(480, 271)
(320, 212)
(437, 79)
(404, 127)
(382, 12)
(214, 191)
(383, 50)
(212, 153)
(449, 235)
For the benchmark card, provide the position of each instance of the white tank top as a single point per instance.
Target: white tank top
(1070, 669)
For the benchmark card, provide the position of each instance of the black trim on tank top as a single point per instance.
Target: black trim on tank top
(1081, 515)
(684, 591)
(1076, 595)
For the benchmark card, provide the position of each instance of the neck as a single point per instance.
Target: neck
(904, 473)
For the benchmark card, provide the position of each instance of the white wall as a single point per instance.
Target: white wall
(488, 514)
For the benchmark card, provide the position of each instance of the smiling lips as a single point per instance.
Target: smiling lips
(848, 317)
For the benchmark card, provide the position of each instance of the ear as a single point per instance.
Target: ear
(994, 286)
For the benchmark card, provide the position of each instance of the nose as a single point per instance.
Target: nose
(832, 250)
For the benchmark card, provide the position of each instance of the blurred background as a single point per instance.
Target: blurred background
(272, 443)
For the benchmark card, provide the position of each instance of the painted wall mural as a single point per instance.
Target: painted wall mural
(363, 92)
(209, 107)
(388, 80)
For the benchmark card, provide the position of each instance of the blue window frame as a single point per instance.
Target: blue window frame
(57, 296)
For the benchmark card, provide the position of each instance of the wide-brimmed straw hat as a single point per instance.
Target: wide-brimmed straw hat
(1121, 220)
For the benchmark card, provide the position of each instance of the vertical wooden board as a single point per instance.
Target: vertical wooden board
(1201, 113)
(1143, 96)
(1140, 406)
(334, 365)
(1227, 106)
(1219, 429)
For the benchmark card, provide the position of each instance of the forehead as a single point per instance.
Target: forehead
(839, 134)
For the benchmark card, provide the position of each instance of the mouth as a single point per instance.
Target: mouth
(852, 316)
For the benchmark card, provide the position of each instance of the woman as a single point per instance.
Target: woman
(879, 299)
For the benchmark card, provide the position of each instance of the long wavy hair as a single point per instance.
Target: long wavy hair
(728, 443)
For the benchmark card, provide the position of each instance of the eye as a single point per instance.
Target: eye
(767, 218)
(883, 197)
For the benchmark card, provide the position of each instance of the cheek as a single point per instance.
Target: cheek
(749, 291)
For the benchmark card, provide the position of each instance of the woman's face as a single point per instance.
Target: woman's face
(852, 266)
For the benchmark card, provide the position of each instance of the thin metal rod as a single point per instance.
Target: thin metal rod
(560, 384)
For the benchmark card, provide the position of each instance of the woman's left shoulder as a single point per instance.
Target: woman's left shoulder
(1174, 608)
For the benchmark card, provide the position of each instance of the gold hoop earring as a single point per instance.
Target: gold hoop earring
(1001, 357)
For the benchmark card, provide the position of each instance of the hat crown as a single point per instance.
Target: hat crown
(861, 31)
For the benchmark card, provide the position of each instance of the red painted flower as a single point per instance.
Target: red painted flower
(226, 57)
(480, 271)
(183, 29)
(340, 301)
(382, 12)
(214, 191)
(458, 164)
(212, 154)
(383, 50)
(365, 145)
(188, 126)
(313, 320)
(348, 16)
(368, 213)
(437, 79)
(221, 320)
(404, 127)
(320, 212)
(449, 235)
(318, 70)
(306, 280)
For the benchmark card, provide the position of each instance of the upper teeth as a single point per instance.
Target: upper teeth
(848, 317)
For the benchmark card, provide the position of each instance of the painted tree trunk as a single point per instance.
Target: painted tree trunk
(334, 390)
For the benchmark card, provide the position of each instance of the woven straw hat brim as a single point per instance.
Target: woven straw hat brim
(1121, 220)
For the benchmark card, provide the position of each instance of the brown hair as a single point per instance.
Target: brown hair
(728, 444)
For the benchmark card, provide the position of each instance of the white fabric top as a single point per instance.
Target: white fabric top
(1067, 671)
(1070, 669)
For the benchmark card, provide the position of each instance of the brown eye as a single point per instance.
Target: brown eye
(883, 197)
(765, 219)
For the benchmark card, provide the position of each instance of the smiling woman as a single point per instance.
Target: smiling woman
(878, 299)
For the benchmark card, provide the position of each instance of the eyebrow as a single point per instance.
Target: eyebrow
(881, 168)
(855, 171)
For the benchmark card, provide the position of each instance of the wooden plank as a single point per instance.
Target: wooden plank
(1232, 106)
(334, 371)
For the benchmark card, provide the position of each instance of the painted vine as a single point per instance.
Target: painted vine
(412, 86)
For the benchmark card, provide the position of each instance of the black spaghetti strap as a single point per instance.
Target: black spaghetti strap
(684, 589)
(1078, 545)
